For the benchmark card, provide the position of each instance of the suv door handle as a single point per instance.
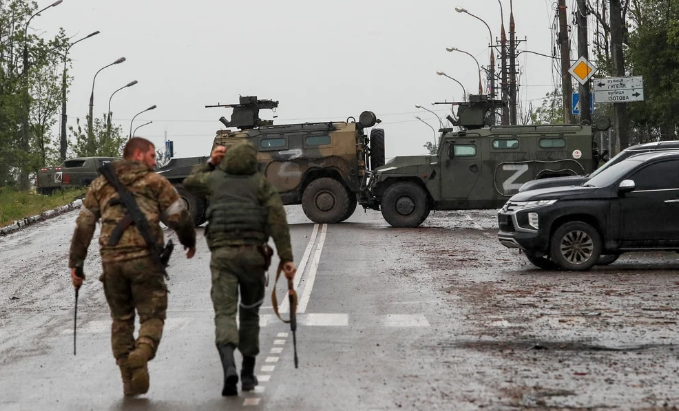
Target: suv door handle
(672, 201)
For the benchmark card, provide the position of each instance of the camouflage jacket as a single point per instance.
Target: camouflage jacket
(241, 159)
(156, 198)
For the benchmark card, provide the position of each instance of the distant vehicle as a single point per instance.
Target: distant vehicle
(479, 167)
(577, 180)
(75, 172)
(632, 205)
(318, 165)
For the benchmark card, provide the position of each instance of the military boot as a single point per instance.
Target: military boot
(138, 364)
(126, 375)
(229, 366)
(247, 374)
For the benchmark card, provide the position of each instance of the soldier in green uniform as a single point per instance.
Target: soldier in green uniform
(132, 279)
(245, 210)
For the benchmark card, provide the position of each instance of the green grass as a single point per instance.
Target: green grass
(15, 205)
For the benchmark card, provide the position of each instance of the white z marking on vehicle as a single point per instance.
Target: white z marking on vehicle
(284, 172)
(518, 169)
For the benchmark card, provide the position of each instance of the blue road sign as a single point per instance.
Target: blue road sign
(576, 103)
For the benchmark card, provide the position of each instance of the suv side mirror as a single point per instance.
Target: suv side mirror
(626, 186)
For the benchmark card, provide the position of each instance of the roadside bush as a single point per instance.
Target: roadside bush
(15, 205)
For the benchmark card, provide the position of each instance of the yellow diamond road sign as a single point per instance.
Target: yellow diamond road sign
(582, 70)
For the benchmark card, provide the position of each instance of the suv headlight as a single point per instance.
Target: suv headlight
(522, 205)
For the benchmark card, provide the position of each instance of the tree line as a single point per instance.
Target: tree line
(33, 74)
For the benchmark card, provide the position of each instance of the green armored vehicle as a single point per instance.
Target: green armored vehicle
(318, 165)
(479, 167)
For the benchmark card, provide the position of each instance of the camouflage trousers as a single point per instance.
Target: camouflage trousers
(233, 268)
(131, 285)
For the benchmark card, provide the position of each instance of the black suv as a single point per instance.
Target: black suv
(579, 179)
(630, 206)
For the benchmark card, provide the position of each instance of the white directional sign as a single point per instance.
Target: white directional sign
(618, 89)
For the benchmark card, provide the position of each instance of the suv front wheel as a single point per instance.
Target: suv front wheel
(575, 246)
(405, 204)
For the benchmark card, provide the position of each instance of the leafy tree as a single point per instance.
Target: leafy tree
(550, 111)
(431, 147)
(100, 143)
(28, 100)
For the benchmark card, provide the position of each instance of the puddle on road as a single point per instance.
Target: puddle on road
(525, 345)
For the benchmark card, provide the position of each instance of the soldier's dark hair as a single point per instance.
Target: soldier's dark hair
(137, 143)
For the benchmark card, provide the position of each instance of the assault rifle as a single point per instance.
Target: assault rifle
(292, 298)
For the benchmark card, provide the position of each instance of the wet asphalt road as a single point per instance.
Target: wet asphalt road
(436, 318)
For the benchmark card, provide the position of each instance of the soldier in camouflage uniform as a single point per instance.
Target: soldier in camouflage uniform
(132, 279)
(244, 211)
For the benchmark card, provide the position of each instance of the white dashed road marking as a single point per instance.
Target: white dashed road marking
(324, 320)
(405, 320)
(268, 368)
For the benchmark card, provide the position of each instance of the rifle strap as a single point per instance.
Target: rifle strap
(291, 291)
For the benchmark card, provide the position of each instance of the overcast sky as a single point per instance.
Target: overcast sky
(322, 60)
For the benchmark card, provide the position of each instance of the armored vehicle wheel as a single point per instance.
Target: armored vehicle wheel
(405, 204)
(575, 246)
(541, 262)
(353, 202)
(607, 259)
(376, 148)
(194, 204)
(326, 201)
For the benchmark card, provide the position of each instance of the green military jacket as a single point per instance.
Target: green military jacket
(240, 162)
(156, 198)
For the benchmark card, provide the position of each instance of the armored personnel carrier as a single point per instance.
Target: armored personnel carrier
(318, 165)
(478, 166)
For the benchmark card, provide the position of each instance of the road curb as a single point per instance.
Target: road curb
(45, 215)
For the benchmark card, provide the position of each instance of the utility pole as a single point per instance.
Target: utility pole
(583, 51)
(503, 54)
(512, 66)
(620, 109)
(566, 85)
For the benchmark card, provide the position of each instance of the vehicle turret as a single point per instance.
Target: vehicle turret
(246, 113)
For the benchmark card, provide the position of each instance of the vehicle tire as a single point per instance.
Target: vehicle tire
(377, 158)
(575, 246)
(405, 204)
(326, 201)
(353, 202)
(542, 262)
(194, 204)
(606, 259)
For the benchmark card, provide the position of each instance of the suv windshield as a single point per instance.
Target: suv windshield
(615, 160)
(612, 174)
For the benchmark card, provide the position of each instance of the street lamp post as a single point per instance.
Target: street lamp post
(451, 49)
(108, 116)
(426, 109)
(492, 54)
(135, 116)
(503, 56)
(464, 91)
(138, 127)
(90, 131)
(64, 117)
(432, 129)
(23, 178)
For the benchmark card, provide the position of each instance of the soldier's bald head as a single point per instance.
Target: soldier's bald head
(137, 143)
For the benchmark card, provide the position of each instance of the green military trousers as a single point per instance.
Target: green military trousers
(233, 268)
(131, 285)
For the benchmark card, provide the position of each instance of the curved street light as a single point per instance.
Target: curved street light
(451, 49)
(138, 127)
(64, 117)
(108, 125)
(432, 129)
(89, 122)
(464, 91)
(424, 108)
(135, 116)
(492, 54)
